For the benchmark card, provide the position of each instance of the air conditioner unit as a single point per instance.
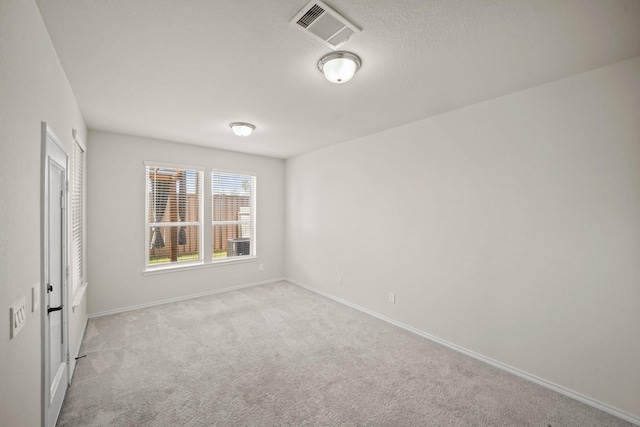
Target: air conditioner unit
(238, 247)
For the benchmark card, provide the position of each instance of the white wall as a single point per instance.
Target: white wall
(33, 88)
(510, 228)
(116, 222)
(519, 222)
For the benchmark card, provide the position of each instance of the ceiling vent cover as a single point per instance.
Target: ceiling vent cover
(321, 21)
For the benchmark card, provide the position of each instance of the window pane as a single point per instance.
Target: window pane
(174, 223)
(231, 193)
(173, 195)
(232, 217)
(229, 240)
(174, 244)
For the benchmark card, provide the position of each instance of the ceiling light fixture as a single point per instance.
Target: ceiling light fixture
(242, 128)
(339, 67)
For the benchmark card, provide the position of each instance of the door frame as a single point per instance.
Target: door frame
(51, 142)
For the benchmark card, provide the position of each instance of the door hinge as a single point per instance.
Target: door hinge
(67, 185)
(61, 200)
(67, 272)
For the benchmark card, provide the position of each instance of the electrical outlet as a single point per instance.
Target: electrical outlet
(261, 267)
(35, 298)
(392, 298)
(339, 281)
(18, 317)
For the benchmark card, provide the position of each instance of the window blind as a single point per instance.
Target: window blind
(173, 215)
(233, 216)
(77, 217)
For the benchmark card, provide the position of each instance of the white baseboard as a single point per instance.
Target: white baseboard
(182, 298)
(522, 374)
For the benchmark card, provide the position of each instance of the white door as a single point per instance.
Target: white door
(55, 278)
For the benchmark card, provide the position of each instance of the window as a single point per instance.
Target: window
(177, 235)
(233, 216)
(77, 217)
(173, 215)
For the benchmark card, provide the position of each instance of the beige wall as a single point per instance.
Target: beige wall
(520, 228)
(116, 236)
(33, 88)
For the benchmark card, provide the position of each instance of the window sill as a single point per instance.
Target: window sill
(77, 297)
(149, 271)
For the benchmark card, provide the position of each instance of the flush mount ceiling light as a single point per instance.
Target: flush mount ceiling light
(242, 128)
(339, 67)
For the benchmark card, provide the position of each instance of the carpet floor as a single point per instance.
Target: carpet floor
(280, 355)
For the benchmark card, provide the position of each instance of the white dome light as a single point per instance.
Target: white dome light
(241, 128)
(339, 67)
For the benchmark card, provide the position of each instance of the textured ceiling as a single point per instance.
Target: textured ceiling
(183, 70)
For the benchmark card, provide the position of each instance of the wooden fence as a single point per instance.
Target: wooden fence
(226, 208)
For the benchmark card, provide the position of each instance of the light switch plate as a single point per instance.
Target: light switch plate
(18, 314)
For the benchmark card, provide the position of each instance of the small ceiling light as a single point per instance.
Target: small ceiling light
(339, 67)
(241, 128)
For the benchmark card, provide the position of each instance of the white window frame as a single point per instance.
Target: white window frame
(252, 223)
(205, 226)
(155, 268)
(79, 278)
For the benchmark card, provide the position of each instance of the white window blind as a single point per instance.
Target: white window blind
(233, 216)
(173, 215)
(77, 217)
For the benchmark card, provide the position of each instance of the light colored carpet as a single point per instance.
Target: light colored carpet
(279, 355)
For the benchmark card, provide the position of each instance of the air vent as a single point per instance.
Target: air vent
(310, 16)
(325, 24)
